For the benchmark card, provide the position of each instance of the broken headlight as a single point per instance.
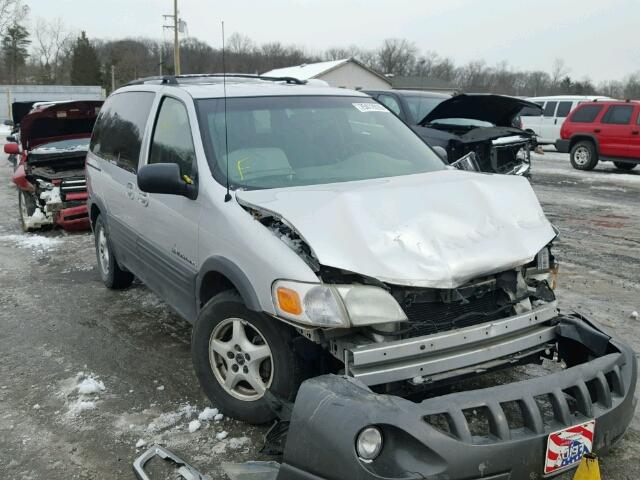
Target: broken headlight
(544, 267)
(341, 306)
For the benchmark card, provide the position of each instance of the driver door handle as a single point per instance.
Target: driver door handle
(635, 132)
(143, 198)
(596, 130)
(131, 193)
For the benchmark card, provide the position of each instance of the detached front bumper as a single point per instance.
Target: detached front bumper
(73, 218)
(438, 438)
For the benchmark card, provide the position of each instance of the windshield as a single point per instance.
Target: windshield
(420, 106)
(308, 140)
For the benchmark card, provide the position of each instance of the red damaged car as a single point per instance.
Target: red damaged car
(50, 175)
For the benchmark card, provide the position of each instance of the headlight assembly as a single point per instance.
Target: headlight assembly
(338, 306)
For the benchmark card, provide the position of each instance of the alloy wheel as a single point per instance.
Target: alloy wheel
(241, 359)
(582, 156)
(103, 251)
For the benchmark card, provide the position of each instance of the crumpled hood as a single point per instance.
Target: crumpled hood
(437, 230)
(497, 109)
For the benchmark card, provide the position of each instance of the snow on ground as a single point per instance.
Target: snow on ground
(37, 243)
(81, 393)
(555, 163)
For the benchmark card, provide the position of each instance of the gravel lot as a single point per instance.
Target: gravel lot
(86, 372)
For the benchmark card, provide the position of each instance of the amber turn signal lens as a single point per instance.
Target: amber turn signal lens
(289, 301)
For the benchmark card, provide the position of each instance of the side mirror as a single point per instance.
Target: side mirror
(8, 123)
(11, 148)
(442, 153)
(165, 178)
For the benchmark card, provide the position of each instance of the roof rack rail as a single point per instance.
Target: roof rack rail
(161, 80)
(175, 79)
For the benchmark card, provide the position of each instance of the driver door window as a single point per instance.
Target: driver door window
(172, 141)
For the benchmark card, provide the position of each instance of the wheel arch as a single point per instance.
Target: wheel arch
(578, 137)
(96, 207)
(218, 274)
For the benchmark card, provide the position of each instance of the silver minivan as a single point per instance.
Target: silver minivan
(318, 244)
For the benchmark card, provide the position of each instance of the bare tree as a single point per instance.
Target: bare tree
(559, 71)
(11, 12)
(52, 41)
(239, 44)
(397, 56)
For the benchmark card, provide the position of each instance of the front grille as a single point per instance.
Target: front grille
(73, 185)
(433, 317)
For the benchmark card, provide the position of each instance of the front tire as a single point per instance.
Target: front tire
(239, 354)
(584, 155)
(627, 167)
(27, 207)
(112, 275)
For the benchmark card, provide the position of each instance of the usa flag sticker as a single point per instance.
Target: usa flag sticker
(567, 446)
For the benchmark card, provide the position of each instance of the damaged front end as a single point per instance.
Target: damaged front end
(483, 126)
(54, 188)
(51, 178)
(341, 428)
(466, 382)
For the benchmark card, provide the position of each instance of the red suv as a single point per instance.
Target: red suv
(608, 131)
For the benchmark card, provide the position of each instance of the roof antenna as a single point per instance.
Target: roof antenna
(227, 196)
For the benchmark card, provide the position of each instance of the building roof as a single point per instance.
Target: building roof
(307, 71)
(421, 83)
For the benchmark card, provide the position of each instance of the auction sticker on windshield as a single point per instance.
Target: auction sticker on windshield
(567, 446)
(370, 107)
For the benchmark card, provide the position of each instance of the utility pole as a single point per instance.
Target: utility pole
(113, 78)
(176, 41)
(175, 25)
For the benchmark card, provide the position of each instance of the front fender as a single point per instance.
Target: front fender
(235, 275)
(20, 179)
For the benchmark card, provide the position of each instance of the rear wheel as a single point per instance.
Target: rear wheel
(27, 207)
(584, 155)
(239, 354)
(625, 166)
(112, 275)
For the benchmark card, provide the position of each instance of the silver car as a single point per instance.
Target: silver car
(306, 230)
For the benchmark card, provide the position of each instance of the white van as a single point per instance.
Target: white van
(554, 110)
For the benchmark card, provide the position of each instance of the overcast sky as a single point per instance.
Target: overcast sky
(598, 38)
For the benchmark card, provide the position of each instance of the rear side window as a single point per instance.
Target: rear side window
(618, 114)
(550, 109)
(563, 109)
(586, 113)
(172, 141)
(117, 136)
(530, 112)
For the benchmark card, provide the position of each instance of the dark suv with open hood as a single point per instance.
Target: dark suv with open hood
(482, 128)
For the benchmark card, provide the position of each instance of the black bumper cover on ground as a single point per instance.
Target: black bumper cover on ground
(330, 411)
(562, 145)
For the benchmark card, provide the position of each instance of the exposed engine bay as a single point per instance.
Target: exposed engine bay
(59, 184)
(486, 126)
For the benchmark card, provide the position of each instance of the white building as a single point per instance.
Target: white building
(345, 73)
